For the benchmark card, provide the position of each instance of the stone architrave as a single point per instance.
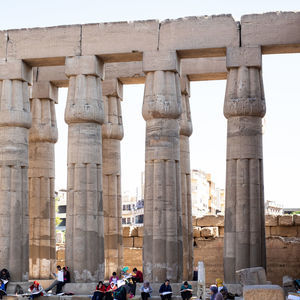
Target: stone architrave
(15, 121)
(244, 108)
(41, 175)
(162, 249)
(112, 134)
(84, 115)
(186, 129)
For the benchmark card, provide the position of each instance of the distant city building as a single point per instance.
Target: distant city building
(132, 210)
(61, 214)
(273, 208)
(290, 211)
(206, 198)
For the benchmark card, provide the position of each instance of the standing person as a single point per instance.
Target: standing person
(36, 290)
(186, 291)
(67, 275)
(5, 277)
(114, 278)
(146, 290)
(99, 292)
(58, 282)
(165, 290)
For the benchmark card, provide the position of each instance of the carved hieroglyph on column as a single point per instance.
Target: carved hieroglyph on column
(244, 107)
(41, 174)
(162, 250)
(84, 115)
(15, 121)
(186, 130)
(112, 134)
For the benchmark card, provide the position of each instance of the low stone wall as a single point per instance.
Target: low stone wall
(282, 242)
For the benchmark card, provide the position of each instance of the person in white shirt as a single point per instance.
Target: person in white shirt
(59, 282)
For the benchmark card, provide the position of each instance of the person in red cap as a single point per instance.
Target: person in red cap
(36, 290)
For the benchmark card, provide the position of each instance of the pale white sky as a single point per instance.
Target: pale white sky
(208, 143)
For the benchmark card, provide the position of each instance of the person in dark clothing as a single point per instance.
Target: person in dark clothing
(165, 290)
(186, 291)
(5, 277)
(99, 292)
(67, 276)
(120, 293)
(109, 291)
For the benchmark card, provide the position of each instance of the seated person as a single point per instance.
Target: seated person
(99, 292)
(109, 291)
(67, 275)
(165, 290)
(186, 291)
(146, 290)
(5, 277)
(215, 294)
(59, 282)
(2, 289)
(138, 275)
(36, 290)
(114, 278)
(219, 284)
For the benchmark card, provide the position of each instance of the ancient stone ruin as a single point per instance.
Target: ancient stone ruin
(94, 61)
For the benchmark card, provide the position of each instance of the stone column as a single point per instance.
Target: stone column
(186, 130)
(112, 134)
(41, 174)
(244, 108)
(84, 114)
(162, 251)
(15, 121)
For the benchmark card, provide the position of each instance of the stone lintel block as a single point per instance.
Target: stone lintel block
(185, 85)
(44, 90)
(244, 56)
(199, 32)
(276, 32)
(271, 220)
(161, 61)
(296, 219)
(112, 87)
(263, 292)
(285, 220)
(54, 74)
(210, 221)
(127, 241)
(141, 231)
(138, 242)
(15, 69)
(85, 65)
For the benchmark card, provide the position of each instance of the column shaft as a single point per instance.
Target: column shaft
(41, 174)
(244, 212)
(162, 251)
(187, 228)
(112, 134)
(84, 115)
(15, 120)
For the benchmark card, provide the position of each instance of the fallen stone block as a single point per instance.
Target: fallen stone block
(210, 221)
(271, 220)
(209, 232)
(252, 276)
(263, 292)
(286, 220)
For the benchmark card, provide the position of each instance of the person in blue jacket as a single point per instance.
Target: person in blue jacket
(165, 290)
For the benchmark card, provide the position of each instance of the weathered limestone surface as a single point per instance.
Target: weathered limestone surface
(252, 276)
(186, 129)
(263, 292)
(162, 256)
(15, 121)
(44, 46)
(124, 39)
(84, 114)
(276, 32)
(192, 33)
(244, 108)
(41, 174)
(112, 134)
